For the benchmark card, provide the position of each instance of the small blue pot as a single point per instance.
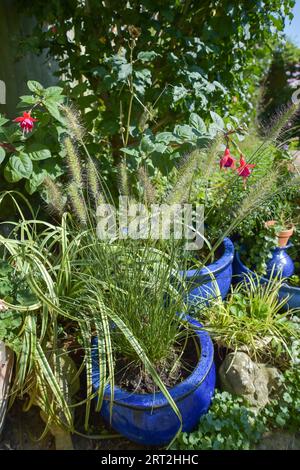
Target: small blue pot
(148, 419)
(281, 263)
(202, 282)
(292, 294)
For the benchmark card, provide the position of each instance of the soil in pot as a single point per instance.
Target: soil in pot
(177, 367)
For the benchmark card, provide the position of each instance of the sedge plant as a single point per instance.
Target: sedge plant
(253, 319)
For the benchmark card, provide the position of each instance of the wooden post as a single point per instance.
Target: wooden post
(14, 73)
(6, 367)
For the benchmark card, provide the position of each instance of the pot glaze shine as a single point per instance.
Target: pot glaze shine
(203, 282)
(148, 419)
(281, 263)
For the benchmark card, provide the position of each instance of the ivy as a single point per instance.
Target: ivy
(231, 424)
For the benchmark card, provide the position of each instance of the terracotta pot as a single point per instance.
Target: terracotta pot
(283, 235)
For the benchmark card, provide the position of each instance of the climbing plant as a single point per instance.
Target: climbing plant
(146, 67)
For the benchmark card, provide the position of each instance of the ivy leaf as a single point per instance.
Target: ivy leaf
(2, 154)
(197, 123)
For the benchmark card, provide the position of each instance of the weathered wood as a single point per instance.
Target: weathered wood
(6, 367)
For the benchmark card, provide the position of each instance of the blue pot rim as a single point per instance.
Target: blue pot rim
(214, 268)
(179, 392)
(285, 286)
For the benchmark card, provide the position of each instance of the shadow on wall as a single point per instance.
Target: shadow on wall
(16, 71)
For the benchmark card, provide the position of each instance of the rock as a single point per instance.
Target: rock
(239, 375)
(279, 440)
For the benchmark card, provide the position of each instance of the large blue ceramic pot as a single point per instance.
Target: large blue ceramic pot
(292, 294)
(203, 283)
(148, 419)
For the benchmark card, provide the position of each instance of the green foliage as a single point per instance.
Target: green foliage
(255, 241)
(252, 318)
(231, 424)
(13, 290)
(283, 412)
(147, 70)
(28, 158)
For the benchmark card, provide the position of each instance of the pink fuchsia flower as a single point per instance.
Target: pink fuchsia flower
(26, 122)
(227, 161)
(244, 170)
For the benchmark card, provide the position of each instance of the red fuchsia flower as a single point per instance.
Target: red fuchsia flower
(26, 122)
(244, 170)
(227, 161)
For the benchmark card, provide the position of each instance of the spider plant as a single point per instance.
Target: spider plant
(123, 293)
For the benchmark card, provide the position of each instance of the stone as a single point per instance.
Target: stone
(256, 382)
(279, 440)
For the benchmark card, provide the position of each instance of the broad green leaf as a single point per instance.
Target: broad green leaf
(54, 92)
(146, 145)
(35, 87)
(27, 99)
(197, 123)
(52, 107)
(218, 121)
(18, 167)
(130, 151)
(185, 133)
(166, 137)
(38, 152)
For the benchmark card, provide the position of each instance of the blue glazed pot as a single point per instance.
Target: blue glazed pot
(281, 263)
(292, 294)
(203, 282)
(148, 419)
